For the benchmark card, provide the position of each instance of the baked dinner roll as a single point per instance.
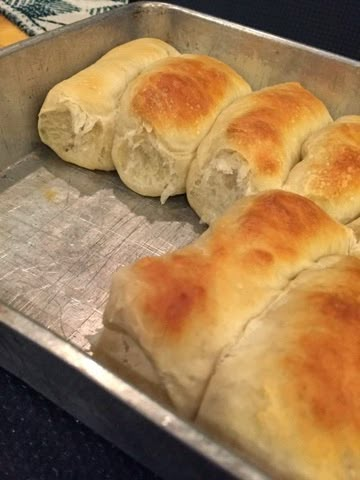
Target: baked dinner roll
(163, 116)
(329, 173)
(183, 308)
(77, 117)
(288, 391)
(252, 146)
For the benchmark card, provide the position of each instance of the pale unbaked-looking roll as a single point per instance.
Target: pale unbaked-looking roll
(252, 146)
(183, 308)
(329, 172)
(288, 392)
(77, 117)
(163, 116)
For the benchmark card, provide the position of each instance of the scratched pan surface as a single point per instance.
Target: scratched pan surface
(65, 230)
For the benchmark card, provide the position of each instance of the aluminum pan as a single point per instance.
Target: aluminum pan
(63, 230)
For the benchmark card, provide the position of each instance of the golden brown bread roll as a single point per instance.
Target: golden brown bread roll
(185, 307)
(329, 172)
(77, 117)
(163, 116)
(252, 146)
(288, 391)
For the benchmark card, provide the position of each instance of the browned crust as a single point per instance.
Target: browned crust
(182, 91)
(325, 362)
(262, 132)
(177, 289)
(340, 175)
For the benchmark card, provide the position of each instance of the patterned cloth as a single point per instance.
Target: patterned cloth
(39, 16)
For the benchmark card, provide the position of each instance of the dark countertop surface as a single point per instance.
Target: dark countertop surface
(38, 440)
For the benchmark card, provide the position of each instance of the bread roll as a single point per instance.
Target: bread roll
(183, 308)
(329, 172)
(252, 146)
(288, 392)
(163, 116)
(77, 117)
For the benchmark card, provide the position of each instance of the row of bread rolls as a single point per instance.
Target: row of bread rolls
(255, 142)
(190, 124)
(77, 118)
(159, 104)
(172, 123)
(254, 332)
(162, 117)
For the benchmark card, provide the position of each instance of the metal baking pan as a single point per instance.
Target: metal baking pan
(64, 230)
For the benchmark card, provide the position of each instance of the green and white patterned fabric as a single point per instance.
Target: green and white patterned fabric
(39, 16)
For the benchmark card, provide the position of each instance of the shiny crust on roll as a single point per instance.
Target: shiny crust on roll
(329, 173)
(252, 146)
(183, 308)
(77, 117)
(163, 116)
(288, 392)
